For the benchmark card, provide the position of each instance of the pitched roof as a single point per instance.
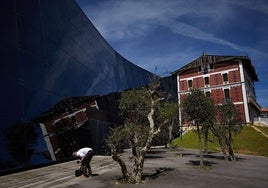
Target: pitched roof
(213, 59)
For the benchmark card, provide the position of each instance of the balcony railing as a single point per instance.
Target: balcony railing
(261, 120)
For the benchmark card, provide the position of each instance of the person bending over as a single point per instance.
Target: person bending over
(85, 155)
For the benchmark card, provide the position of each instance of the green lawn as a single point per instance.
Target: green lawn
(248, 141)
(263, 129)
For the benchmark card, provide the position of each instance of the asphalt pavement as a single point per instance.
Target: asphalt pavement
(162, 168)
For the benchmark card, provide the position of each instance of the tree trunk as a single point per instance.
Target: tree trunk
(222, 149)
(230, 150)
(138, 169)
(170, 136)
(200, 146)
(120, 161)
(231, 153)
(206, 140)
(229, 145)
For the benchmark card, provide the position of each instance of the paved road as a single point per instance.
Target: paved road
(163, 168)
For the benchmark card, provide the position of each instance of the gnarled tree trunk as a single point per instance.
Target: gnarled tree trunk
(120, 161)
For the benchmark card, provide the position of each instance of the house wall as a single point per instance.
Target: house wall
(217, 85)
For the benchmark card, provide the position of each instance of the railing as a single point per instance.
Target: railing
(261, 120)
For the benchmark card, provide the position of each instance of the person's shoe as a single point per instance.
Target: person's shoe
(84, 176)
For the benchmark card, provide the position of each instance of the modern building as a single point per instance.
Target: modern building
(222, 78)
(50, 51)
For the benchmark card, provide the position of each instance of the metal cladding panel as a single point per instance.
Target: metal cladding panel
(49, 50)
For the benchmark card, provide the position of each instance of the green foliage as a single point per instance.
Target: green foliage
(167, 110)
(229, 116)
(135, 105)
(229, 124)
(145, 113)
(118, 137)
(197, 107)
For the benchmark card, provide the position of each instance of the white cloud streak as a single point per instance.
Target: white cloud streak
(125, 24)
(123, 20)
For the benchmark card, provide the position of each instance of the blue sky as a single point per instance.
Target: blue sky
(161, 36)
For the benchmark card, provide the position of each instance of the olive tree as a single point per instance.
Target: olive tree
(198, 109)
(140, 108)
(229, 123)
(168, 111)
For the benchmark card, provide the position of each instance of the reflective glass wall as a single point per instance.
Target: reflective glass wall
(50, 50)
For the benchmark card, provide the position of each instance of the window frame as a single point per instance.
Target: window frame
(227, 94)
(206, 80)
(225, 77)
(190, 81)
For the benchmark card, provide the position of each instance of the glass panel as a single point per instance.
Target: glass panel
(227, 94)
(190, 83)
(225, 77)
(206, 80)
(208, 94)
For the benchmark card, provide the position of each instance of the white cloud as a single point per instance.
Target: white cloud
(125, 20)
(259, 6)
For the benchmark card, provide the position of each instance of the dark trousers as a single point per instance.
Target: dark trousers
(86, 163)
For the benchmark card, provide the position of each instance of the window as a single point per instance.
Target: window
(190, 83)
(206, 80)
(225, 77)
(211, 66)
(73, 119)
(226, 93)
(205, 70)
(208, 94)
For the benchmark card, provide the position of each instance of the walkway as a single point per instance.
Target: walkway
(163, 168)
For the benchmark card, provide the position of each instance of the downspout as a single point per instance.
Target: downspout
(244, 94)
(179, 99)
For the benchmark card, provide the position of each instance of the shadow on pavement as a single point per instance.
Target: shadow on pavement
(220, 157)
(153, 156)
(214, 157)
(157, 173)
(94, 175)
(186, 154)
(197, 163)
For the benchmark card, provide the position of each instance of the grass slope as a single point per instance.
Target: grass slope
(249, 141)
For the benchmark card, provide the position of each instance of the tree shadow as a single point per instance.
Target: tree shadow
(94, 175)
(158, 172)
(185, 154)
(154, 151)
(220, 157)
(214, 156)
(240, 158)
(197, 163)
(153, 156)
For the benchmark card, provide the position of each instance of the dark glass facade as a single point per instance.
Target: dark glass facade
(49, 50)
